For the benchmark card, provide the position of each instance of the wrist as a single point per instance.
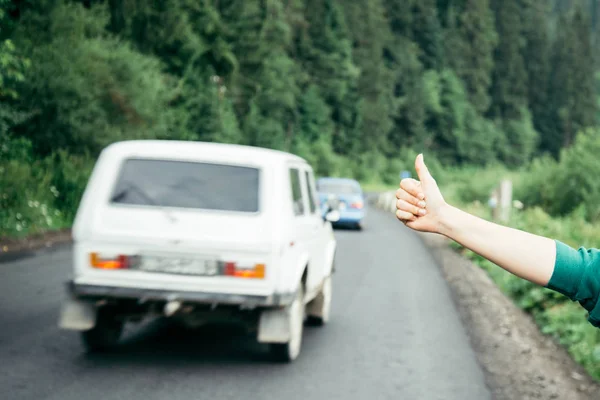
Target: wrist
(448, 219)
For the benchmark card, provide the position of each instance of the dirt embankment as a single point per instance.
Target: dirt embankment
(14, 248)
(519, 361)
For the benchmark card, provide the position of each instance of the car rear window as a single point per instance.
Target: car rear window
(338, 187)
(167, 183)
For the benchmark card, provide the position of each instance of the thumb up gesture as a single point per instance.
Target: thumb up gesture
(420, 203)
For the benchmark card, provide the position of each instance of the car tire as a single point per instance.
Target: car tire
(323, 302)
(105, 335)
(288, 352)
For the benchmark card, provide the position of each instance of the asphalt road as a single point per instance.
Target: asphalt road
(394, 334)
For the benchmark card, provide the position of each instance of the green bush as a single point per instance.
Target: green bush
(369, 167)
(70, 176)
(27, 195)
(568, 186)
(321, 156)
(536, 185)
(519, 142)
(391, 174)
(578, 183)
(470, 184)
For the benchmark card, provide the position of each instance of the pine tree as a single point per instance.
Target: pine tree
(509, 77)
(245, 21)
(270, 77)
(315, 117)
(418, 21)
(410, 22)
(461, 134)
(370, 35)
(427, 33)
(445, 10)
(324, 49)
(209, 111)
(471, 40)
(536, 55)
(572, 90)
(585, 105)
(409, 96)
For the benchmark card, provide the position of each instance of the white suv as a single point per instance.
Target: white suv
(200, 231)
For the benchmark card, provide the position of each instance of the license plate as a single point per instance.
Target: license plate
(342, 205)
(178, 265)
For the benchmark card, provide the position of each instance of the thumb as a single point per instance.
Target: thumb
(422, 170)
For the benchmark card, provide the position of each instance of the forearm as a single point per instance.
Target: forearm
(523, 254)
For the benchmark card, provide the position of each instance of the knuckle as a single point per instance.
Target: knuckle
(401, 205)
(412, 200)
(406, 206)
(404, 196)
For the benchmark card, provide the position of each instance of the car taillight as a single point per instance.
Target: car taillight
(256, 271)
(357, 204)
(117, 262)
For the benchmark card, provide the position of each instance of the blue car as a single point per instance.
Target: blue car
(349, 198)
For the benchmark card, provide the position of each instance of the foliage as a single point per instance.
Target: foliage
(509, 77)
(85, 90)
(536, 55)
(12, 69)
(519, 141)
(27, 196)
(571, 90)
(470, 46)
(358, 88)
(568, 185)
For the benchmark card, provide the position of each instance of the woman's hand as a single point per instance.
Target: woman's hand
(420, 204)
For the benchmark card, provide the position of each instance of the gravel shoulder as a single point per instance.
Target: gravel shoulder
(13, 249)
(518, 360)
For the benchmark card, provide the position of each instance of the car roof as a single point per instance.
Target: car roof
(173, 148)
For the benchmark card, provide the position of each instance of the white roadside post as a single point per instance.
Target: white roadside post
(505, 200)
(501, 201)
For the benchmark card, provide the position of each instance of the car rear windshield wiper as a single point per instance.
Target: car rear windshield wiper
(130, 186)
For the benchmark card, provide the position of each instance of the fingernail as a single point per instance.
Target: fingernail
(422, 204)
(422, 212)
(421, 196)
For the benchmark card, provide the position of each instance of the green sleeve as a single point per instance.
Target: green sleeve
(577, 276)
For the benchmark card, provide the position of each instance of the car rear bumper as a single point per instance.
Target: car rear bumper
(351, 217)
(103, 292)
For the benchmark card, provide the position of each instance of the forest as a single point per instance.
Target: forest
(354, 86)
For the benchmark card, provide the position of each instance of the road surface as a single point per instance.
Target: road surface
(394, 334)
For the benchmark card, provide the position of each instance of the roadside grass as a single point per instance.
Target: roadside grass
(377, 187)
